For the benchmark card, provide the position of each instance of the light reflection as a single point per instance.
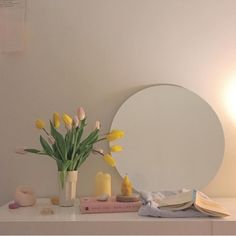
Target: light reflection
(230, 97)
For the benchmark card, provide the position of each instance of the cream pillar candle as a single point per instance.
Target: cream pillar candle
(103, 184)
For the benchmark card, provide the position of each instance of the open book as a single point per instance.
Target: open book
(195, 199)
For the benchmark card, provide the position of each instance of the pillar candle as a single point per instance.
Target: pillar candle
(103, 183)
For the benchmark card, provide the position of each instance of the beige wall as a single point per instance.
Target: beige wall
(95, 54)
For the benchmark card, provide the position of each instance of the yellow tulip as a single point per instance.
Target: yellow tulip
(109, 160)
(115, 134)
(40, 124)
(67, 119)
(56, 120)
(116, 148)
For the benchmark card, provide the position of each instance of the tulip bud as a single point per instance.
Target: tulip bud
(56, 120)
(116, 148)
(39, 124)
(81, 113)
(109, 160)
(20, 150)
(115, 134)
(67, 119)
(75, 121)
(97, 125)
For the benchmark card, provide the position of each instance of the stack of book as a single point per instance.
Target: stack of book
(92, 205)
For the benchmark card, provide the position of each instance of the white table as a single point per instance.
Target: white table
(68, 220)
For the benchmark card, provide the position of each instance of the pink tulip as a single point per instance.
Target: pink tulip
(75, 121)
(81, 113)
(20, 150)
(97, 125)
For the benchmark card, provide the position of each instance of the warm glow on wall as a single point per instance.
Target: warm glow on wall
(230, 97)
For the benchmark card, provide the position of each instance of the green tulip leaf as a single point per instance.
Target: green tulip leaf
(46, 146)
(60, 144)
(36, 151)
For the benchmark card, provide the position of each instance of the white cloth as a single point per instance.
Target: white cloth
(150, 207)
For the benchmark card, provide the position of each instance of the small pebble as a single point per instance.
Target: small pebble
(102, 197)
(55, 200)
(13, 205)
(47, 211)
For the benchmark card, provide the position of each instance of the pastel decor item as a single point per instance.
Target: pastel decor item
(132, 198)
(55, 200)
(103, 184)
(103, 197)
(13, 205)
(126, 187)
(67, 187)
(24, 196)
(47, 211)
(71, 148)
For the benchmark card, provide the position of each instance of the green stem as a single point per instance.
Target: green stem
(100, 140)
(46, 131)
(94, 150)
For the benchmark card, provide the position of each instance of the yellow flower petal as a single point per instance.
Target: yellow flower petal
(67, 119)
(109, 160)
(39, 124)
(116, 148)
(56, 120)
(115, 134)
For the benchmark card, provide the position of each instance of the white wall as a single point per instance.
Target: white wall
(95, 54)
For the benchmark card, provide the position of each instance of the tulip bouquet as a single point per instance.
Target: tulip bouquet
(70, 150)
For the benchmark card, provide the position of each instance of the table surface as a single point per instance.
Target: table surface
(68, 220)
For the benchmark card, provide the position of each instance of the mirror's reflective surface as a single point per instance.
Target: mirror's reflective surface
(173, 139)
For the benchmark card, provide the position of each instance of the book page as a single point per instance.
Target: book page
(178, 200)
(209, 206)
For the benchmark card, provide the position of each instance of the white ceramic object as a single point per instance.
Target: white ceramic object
(102, 197)
(67, 192)
(24, 196)
(173, 139)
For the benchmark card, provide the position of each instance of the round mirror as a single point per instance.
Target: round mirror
(173, 139)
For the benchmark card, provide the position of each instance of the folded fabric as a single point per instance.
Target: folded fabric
(150, 207)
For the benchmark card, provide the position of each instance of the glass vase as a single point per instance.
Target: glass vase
(67, 187)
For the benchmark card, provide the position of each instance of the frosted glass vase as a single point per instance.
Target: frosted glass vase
(67, 188)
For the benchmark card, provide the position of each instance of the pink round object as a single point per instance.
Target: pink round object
(25, 196)
(13, 205)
